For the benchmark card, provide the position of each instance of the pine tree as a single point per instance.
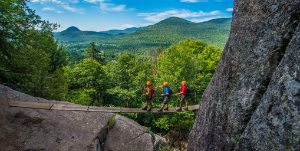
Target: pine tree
(95, 54)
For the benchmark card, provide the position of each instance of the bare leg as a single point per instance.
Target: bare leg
(167, 104)
(151, 104)
(181, 104)
(145, 108)
(163, 106)
(186, 103)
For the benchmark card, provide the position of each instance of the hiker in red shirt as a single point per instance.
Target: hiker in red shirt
(184, 96)
(149, 94)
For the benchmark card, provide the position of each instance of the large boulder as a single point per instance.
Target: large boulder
(275, 124)
(252, 101)
(37, 129)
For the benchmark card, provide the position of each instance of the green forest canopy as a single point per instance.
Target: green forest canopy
(28, 48)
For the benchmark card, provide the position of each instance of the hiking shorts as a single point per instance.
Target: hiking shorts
(149, 98)
(166, 99)
(183, 98)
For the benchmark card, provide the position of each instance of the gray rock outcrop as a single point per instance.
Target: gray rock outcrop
(253, 99)
(36, 129)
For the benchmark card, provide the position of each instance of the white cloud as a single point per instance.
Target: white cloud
(94, 1)
(47, 8)
(127, 26)
(229, 9)
(146, 24)
(52, 9)
(124, 26)
(60, 1)
(53, 1)
(73, 9)
(206, 19)
(113, 7)
(74, 1)
(156, 17)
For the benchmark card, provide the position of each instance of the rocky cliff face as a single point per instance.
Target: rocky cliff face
(35, 129)
(253, 100)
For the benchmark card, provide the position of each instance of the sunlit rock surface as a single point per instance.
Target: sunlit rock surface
(36, 129)
(252, 102)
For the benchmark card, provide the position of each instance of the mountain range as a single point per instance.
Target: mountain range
(166, 32)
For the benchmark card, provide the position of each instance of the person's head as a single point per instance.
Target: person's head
(165, 84)
(148, 83)
(183, 82)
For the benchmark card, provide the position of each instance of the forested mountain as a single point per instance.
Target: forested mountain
(127, 30)
(217, 21)
(81, 36)
(70, 29)
(174, 29)
(145, 41)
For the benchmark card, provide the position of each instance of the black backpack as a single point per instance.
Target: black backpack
(170, 91)
(188, 92)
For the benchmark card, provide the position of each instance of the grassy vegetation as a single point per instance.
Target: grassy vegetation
(111, 122)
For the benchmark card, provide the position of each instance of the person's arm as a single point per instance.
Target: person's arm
(159, 87)
(167, 92)
(180, 91)
(144, 88)
(148, 92)
(164, 94)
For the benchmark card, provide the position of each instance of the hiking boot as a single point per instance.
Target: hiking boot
(166, 108)
(149, 110)
(160, 110)
(144, 108)
(179, 109)
(186, 108)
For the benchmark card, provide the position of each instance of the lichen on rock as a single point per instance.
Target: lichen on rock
(242, 106)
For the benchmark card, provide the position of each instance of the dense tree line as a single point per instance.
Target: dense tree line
(27, 46)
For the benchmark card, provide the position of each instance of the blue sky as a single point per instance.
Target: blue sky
(102, 15)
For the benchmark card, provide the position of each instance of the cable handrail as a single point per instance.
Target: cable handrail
(65, 79)
(105, 92)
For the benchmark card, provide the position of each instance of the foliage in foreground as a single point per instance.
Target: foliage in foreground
(27, 46)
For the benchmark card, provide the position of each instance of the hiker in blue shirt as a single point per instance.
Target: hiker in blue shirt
(166, 96)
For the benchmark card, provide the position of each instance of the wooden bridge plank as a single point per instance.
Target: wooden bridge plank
(69, 107)
(104, 109)
(75, 107)
(34, 105)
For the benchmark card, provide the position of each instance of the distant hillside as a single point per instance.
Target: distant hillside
(166, 32)
(81, 36)
(174, 29)
(71, 29)
(125, 31)
(218, 21)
